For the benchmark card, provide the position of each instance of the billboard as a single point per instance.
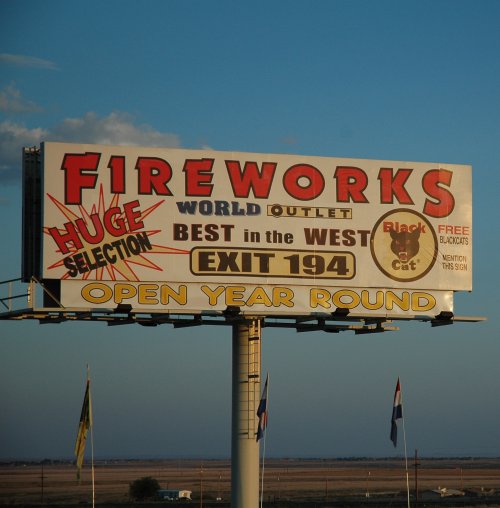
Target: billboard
(197, 230)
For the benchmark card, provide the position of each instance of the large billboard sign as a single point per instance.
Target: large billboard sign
(190, 231)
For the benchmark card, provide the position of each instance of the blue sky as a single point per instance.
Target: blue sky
(398, 80)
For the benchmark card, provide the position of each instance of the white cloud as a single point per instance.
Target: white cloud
(12, 138)
(27, 61)
(116, 128)
(11, 101)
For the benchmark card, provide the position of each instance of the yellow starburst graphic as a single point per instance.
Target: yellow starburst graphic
(105, 266)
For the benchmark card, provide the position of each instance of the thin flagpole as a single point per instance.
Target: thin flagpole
(263, 469)
(91, 439)
(264, 446)
(92, 453)
(406, 454)
(406, 462)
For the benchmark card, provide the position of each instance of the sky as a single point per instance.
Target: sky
(392, 80)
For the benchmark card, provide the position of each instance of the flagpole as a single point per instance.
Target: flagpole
(92, 455)
(263, 466)
(406, 461)
(264, 447)
(91, 440)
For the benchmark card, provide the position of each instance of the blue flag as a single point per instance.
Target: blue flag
(397, 413)
(262, 412)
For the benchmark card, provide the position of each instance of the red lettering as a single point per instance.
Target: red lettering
(115, 227)
(114, 221)
(303, 182)
(199, 177)
(444, 201)
(351, 182)
(251, 178)
(132, 215)
(63, 238)
(154, 174)
(82, 227)
(403, 228)
(454, 230)
(117, 167)
(75, 176)
(394, 186)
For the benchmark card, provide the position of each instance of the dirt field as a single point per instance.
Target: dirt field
(284, 480)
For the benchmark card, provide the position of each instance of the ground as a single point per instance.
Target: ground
(320, 481)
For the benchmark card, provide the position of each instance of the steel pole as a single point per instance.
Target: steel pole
(245, 401)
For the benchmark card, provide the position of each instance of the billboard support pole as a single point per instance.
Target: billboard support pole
(246, 370)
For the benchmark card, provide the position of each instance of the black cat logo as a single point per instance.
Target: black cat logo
(405, 244)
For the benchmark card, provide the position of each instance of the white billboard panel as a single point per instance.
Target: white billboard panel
(174, 217)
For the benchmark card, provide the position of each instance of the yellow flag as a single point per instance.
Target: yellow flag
(83, 427)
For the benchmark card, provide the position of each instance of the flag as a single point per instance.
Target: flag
(397, 413)
(83, 427)
(262, 412)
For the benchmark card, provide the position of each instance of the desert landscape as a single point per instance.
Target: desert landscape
(298, 482)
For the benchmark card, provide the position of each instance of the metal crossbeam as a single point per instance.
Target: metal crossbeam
(327, 323)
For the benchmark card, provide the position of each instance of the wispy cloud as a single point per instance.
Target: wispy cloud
(27, 61)
(115, 129)
(11, 101)
(289, 140)
(12, 138)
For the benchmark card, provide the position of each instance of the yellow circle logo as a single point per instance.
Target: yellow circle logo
(404, 245)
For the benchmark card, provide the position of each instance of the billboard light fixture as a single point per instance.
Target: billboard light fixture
(443, 318)
(340, 313)
(445, 315)
(231, 311)
(123, 308)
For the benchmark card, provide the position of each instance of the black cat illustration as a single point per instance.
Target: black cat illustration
(405, 244)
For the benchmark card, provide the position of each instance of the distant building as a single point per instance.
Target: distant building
(174, 494)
